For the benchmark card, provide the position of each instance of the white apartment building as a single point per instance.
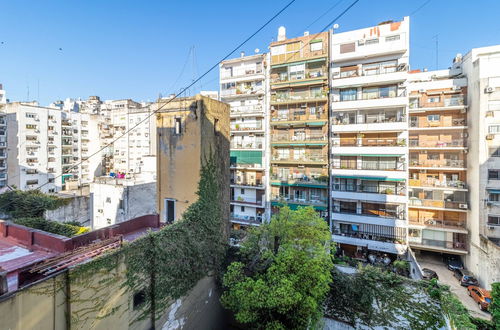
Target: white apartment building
(482, 68)
(117, 118)
(34, 151)
(243, 85)
(369, 134)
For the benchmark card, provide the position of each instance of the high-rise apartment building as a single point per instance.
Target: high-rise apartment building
(243, 83)
(3, 138)
(481, 66)
(299, 121)
(438, 187)
(369, 134)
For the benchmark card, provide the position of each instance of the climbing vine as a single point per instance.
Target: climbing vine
(29, 204)
(164, 264)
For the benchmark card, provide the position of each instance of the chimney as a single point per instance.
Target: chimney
(281, 33)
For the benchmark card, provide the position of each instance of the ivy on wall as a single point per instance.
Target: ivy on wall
(64, 229)
(29, 204)
(167, 263)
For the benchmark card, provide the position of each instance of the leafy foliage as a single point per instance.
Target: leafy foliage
(54, 227)
(374, 297)
(283, 274)
(29, 204)
(495, 305)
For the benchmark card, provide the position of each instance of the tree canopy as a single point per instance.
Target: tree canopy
(283, 274)
(28, 204)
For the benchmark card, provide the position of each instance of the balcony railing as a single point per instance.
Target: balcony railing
(246, 145)
(439, 223)
(377, 95)
(247, 166)
(299, 96)
(370, 142)
(372, 70)
(306, 158)
(289, 199)
(224, 75)
(245, 200)
(458, 122)
(376, 213)
(437, 183)
(438, 144)
(307, 74)
(254, 127)
(354, 165)
(458, 205)
(353, 118)
(242, 92)
(369, 236)
(307, 137)
(305, 180)
(458, 163)
(299, 117)
(246, 218)
(453, 245)
(447, 102)
(244, 182)
(399, 190)
(246, 109)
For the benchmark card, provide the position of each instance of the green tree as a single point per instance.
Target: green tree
(495, 305)
(284, 272)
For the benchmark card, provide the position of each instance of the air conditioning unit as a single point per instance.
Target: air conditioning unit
(489, 89)
(462, 206)
(490, 137)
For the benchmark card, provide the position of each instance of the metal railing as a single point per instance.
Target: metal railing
(369, 142)
(301, 180)
(307, 74)
(377, 213)
(248, 145)
(246, 200)
(244, 182)
(459, 163)
(313, 201)
(305, 158)
(299, 117)
(299, 96)
(307, 137)
(399, 190)
(436, 144)
(240, 127)
(238, 91)
(455, 245)
(437, 183)
(354, 165)
(414, 201)
(386, 238)
(438, 223)
(247, 218)
(362, 119)
(457, 122)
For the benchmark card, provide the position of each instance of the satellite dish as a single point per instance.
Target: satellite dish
(257, 50)
(335, 26)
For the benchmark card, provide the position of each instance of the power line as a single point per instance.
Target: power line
(325, 13)
(175, 96)
(420, 7)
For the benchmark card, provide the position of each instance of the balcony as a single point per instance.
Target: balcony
(438, 204)
(370, 210)
(300, 159)
(299, 97)
(247, 73)
(440, 163)
(247, 145)
(372, 240)
(241, 92)
(371, 101)
(440, 224)
(302, 181)
(246, 167)
(460, 143)
(376, 74)
(246, 219)
(434, 183)
(363, 121)
(362, 49)
(284, 78)
(369, 142)
(448, 103)
(298, 117)
(247, 201)
(316, 201)
(247, 183)
(368, 165)
(321, 138)
(246, 110)
(247, 127)
(438, 245)
(455, 123)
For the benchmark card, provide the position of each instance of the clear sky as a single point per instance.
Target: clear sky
(138, 49)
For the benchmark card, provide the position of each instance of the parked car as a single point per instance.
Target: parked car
(465, 277)
(453, 262)
(429, 274)
(481, 296)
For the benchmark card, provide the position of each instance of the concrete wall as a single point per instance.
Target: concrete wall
(78, 209)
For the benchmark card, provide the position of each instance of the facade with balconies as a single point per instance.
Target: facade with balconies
(438, 191)
(243, 83)
(3, 139)
(369, 138)
(299, 121)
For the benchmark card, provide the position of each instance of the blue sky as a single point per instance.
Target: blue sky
(137, 49)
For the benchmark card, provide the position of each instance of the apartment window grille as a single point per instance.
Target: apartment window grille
(494, 129)
(494, 220)
(493, 174)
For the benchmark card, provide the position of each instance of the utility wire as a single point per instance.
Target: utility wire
(174, 97)
(420, 7)
(324, 14)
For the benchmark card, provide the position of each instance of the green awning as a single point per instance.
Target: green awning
(294, 206)
(366, 155)
(369, 178)
(493, 191)
(318, 123)
(315, 41)
(66, 176)
(246, 157)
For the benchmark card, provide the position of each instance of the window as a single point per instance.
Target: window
(177, 126)
(30, 126)
(433, 99)
(433, 156)
(243, 191)
(51, 180)
(433, 117)
(371, 41)
(346, 48)
(495, 152)
(494, 197)
(493, 174)
(348, 94)
(139, 299)
(242, 208)
(316, 45)
(108, 199)
(121, 204)
(278, 50)
(169, 205)
(392, 38)
(494, 220)
(108, 221)
(494, 129)
(30, 115)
